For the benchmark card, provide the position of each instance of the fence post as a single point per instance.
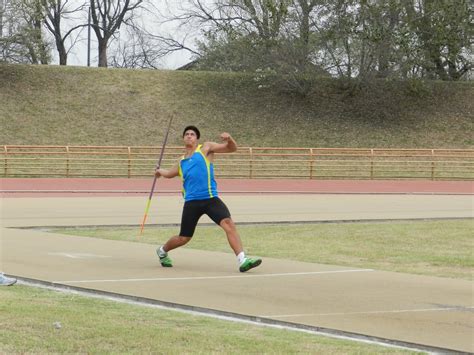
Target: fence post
(311, 163)
(6, 160)
(129, 163)
(67, 161)
(250, 163)
(432, 165)
(371, 164)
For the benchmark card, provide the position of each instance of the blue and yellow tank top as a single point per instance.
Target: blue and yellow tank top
(197, 173)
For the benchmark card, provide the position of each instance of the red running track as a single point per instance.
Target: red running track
(27, 187)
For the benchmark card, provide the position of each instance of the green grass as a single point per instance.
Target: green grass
(96, 106)
(437, 248)
(97, 326)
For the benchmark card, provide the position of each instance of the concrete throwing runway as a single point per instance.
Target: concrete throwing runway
(429, 311)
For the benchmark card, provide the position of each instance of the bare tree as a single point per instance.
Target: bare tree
(57, 11)
(143, 50)
(262, 17)
(137, 50)
(107, 17)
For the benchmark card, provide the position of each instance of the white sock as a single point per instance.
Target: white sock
(162, 252)
(241, 257)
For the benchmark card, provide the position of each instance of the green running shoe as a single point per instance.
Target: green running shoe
(249, 264)
(164, 260)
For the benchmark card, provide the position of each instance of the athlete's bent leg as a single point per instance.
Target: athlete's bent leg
(245, 264)
(175, 242)
(172, 243)
(228, 225)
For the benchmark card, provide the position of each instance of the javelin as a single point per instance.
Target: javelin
(154, 179)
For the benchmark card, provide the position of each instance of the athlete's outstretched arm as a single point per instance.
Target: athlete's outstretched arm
(228, 145)
(168, 173)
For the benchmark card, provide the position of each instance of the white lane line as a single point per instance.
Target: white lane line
(218, 277)
(79, 255)
(368, 312)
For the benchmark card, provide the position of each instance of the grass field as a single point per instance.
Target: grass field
(96, 106)
(91, 326)
(436, 248)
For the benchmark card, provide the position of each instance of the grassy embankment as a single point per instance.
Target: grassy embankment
(91, 106)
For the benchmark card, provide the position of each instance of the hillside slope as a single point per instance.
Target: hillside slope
(93, 106)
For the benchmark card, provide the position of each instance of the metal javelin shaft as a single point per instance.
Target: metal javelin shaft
(155, 177)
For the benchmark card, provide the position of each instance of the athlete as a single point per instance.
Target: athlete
(196, 170)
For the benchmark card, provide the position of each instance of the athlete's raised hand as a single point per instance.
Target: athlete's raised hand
(225, 137)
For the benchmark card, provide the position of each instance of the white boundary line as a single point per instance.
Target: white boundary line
(368, 312)
(216, 277)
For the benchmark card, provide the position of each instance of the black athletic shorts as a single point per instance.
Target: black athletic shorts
(193, 210)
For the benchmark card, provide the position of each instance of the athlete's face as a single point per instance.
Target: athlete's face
(190, 137)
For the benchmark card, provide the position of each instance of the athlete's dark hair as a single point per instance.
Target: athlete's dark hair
(193, 128)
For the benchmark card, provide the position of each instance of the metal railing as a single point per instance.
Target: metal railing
(247, 162)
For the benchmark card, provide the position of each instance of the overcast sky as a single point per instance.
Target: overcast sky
(78, 54)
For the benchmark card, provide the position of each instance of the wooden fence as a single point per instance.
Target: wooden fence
(247, 162)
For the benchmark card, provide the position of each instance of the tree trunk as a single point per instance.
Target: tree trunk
(440, 71)
(38, 39)
(103, 53)
(62, 54)
(32, 52)
(304, 31)
(2, 6)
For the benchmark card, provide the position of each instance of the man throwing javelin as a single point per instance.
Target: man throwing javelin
(196, 170)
